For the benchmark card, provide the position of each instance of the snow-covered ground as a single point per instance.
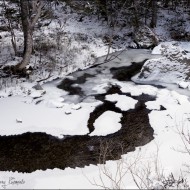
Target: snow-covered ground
(40, 118)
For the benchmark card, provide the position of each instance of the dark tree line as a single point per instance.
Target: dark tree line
(140, 8)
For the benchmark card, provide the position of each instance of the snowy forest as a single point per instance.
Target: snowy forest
(95, 94)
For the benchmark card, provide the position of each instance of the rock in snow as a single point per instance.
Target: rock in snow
(145, 37)
(67, 112)
(172, 67)
(183, 84)
(76, 107)
(37, 87)
(18, 120)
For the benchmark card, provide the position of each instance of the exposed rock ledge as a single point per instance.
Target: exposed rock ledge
(173, 67)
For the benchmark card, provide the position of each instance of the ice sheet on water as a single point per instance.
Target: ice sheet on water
(107, 123)
(123, 102)
(98, 79)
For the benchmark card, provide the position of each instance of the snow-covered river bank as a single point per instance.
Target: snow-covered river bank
(99, 104)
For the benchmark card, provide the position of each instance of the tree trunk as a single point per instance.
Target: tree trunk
(27, 51)
(27, 30)
(30, 13)
(188, 3)
(103, 8)
(154, 14)
(146, 12)
(166, 4)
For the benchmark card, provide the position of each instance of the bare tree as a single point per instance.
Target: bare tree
(145, 173)
(30, 13)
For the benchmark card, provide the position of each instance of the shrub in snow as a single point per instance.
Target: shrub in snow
(178, 27)
(172, 183)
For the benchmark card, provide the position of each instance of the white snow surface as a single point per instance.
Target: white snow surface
(107, 123)
(123, 102)
(40, 118)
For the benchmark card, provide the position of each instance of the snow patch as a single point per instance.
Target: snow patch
(123, 102)
(107, 123)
